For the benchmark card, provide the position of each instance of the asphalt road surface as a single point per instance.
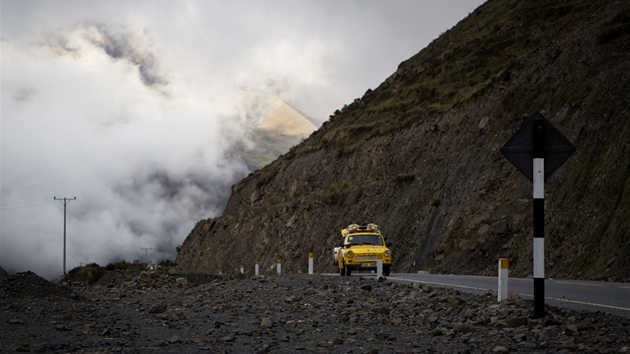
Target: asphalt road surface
(608, 297)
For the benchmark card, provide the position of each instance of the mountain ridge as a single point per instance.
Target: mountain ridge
(419, 155)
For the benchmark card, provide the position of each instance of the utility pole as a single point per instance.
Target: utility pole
(145, 254)
(65, 202)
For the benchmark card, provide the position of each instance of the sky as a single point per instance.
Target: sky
(132, 106)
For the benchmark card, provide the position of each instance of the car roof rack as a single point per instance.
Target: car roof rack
(353, 228)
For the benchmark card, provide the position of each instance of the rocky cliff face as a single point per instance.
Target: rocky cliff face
(420, 156)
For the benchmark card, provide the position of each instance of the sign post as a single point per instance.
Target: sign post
(537, 149)
(502, 292)
(538, 175)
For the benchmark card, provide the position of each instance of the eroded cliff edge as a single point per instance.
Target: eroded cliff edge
(420, 157)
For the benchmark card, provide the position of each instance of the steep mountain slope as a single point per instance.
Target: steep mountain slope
(419, 156)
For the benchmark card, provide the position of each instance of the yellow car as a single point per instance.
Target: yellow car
(362, 245)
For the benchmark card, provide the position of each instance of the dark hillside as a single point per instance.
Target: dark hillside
(419, 155)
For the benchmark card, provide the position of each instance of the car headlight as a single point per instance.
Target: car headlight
(350, 254)
(388, 253)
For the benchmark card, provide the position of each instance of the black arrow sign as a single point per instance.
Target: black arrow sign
(519, 150)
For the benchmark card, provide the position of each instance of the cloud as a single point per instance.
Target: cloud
(117, 42)
(24, 94)
(286, 69)
(123, 46)
(144, 166)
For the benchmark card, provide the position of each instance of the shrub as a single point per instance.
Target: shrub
(167, 263)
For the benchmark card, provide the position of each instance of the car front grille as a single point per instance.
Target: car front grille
(365, 258)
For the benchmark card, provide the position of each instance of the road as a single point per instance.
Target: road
(608, 297)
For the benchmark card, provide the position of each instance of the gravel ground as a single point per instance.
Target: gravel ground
(161, 313)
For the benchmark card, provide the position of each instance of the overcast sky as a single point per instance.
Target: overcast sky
(130, 106)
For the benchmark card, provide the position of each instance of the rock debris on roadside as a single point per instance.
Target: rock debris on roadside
(159, 313)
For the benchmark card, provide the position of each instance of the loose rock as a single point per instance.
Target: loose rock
(319, 314)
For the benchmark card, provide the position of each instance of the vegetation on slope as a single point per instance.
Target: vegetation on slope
(91, 273)
(461, 63)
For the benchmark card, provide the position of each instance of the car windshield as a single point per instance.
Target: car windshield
(365, 240)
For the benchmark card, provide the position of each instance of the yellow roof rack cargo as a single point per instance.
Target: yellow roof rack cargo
(352, 228)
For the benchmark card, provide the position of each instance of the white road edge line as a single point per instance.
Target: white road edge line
(443, 284)
(486, 290)
(590, 304)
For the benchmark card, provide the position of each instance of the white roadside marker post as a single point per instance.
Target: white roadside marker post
(379, 267)
(257, 269)
(503, 279)
(279, 266)
(310, 263)
(242, 269)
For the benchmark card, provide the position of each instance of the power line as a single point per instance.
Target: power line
(91, 228)
(94, 217)
(23, 205)
(30, 201)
